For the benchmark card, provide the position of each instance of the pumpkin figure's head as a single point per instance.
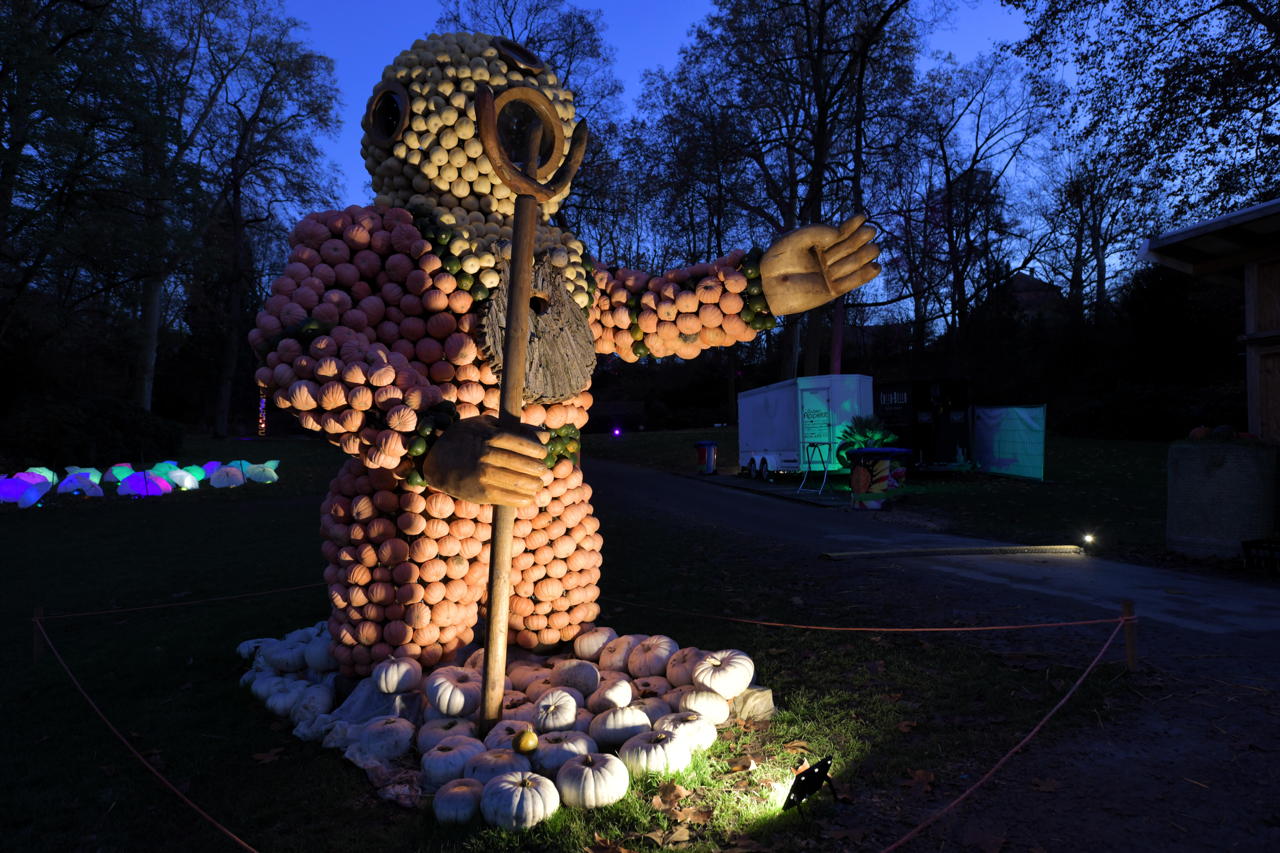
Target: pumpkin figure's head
(420, 143)
(422, 148)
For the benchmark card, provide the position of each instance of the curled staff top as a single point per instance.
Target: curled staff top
(529, 181)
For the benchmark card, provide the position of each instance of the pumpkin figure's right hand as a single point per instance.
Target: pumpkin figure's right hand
(477, 460)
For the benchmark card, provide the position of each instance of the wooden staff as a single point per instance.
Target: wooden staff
(530, 194)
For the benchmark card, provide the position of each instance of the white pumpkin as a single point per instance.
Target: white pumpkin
(249, 648)
(319, 659)
(517, 706)
(495, 762)
(614, 726)
(380, 740)
(581, 675)
(315, 700)
(453, 690)
(708, 703)
(615, 695)
(457, 801)
(555, 748)
(651, 655)
(444, 761)
(653, 707)
(673, 696)
(615, 652)
(475, 660)
(397, 675)
(285, 657)
(518, 800)
(588, 644)
(539, 686)
(501, 735)
(680, 665)
(432, 732)
(582, 723)
(655, 752)
(522, 675)
(690, 726)
(264, 685)
(651, 685)
(727, 672)
(593, 780)
(612, 676)
(284, 695)
(556, 710)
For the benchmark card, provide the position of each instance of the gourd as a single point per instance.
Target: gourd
(453, 690)
(581, 675)
(521, 675)
(680, 665)
(727, 672)
(651, 685)
(651, 655)
(614, 695)
(538, 687)
(517, 706)
(673, 696)
(319, 659)
(284, 695)
(445, 761)
(690, 726)
(380, 740)
(284, 657)
(486, 765)
(708, 703)
(614, 726)
(555, 748)
(499, 737)
(397, 675)
(653, 707)
(655, 752)
(589, 644)
(592, 780)
(582, 723)
(433, 732)
(557, 710)
(457, 801)
(615, 652)
(518, 800)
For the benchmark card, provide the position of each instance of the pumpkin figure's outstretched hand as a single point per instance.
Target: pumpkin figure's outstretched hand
(817, 263)
(478, 460)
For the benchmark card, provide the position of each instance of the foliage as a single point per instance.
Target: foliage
(85, 431)
(862, 431)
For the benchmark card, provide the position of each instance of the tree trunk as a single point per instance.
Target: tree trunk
(231, 343)
(791, 345)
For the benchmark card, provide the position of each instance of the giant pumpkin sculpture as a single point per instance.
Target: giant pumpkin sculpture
(384, 333)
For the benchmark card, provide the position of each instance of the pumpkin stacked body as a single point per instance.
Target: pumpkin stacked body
(375, 336)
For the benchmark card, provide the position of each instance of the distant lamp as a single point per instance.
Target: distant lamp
(807, 783)
(617, 431)
(1089, 539)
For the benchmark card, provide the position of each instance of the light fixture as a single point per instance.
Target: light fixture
(617, 431)
(1088, 539)
(807, 783)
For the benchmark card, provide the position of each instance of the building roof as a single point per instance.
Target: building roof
(1219, 248)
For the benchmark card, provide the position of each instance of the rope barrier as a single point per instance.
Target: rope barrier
(141, 759)
(992, 772)
(1112, 621)
(180, 603)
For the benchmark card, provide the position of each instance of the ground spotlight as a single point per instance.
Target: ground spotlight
(1089, 539)
(807, 783)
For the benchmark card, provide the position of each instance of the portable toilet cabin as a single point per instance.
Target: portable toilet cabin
(794, 426)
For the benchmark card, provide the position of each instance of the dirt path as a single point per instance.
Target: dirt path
(1189, 758)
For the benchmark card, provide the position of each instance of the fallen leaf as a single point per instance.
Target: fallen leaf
(672, 793)
(268, 756)
(907, 725)
(921, 781)
(678, 835)
(692, 815)
(742, 763)
(1046, 785)
(804, 765)
(797, 747)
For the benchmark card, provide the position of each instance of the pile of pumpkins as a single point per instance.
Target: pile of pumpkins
(575, 729)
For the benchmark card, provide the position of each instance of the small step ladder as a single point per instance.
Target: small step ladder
(815, 450)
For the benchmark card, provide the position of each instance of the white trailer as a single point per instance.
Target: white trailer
(795, 425)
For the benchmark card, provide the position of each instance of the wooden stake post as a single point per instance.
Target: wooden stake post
(530, 194)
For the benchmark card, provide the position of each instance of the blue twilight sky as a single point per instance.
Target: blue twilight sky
(362, 38)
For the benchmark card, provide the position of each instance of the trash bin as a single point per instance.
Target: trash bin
(706, 457)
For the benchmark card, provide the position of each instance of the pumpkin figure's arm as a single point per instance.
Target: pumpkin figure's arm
(685, 311)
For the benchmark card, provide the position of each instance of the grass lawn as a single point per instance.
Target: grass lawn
(1113, 489)
(901, 717)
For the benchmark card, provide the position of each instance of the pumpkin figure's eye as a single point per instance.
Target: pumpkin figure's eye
(514, 53)
(387, 113)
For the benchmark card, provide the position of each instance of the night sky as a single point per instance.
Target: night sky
(362, 38)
